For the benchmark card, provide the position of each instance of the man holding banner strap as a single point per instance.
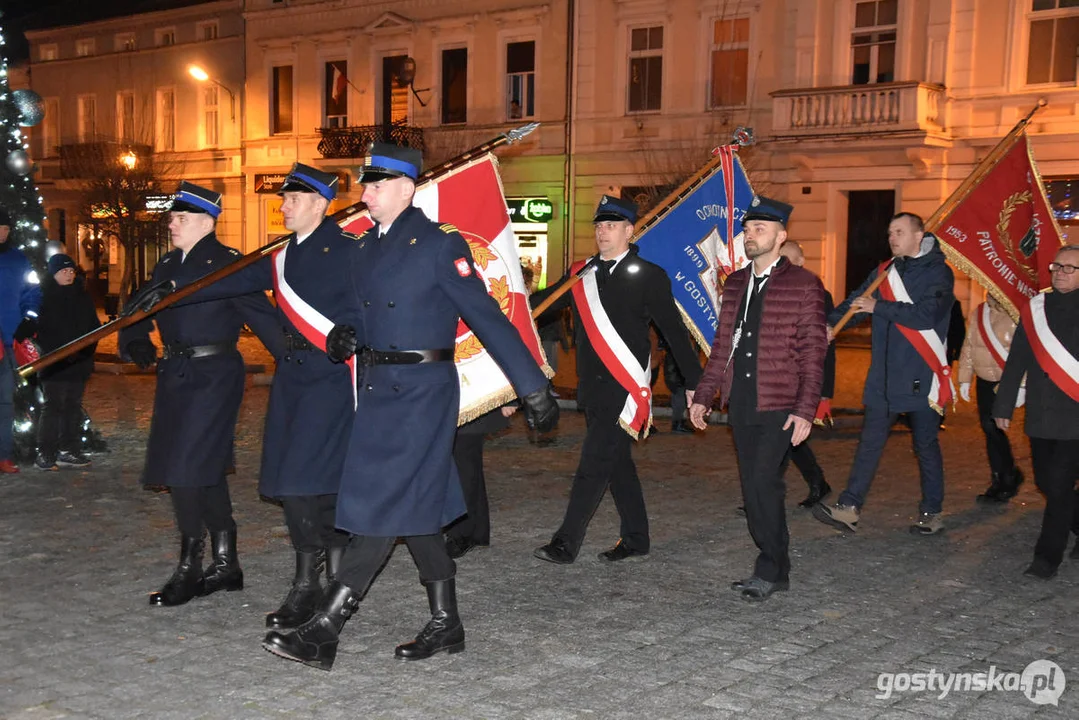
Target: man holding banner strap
(1046, 350)
(413, 281)
(908, 372)
(613, 307)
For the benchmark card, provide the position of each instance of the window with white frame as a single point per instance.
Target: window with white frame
(207, 30)
(124, 42)
(520, 80)
(872, 42)
(163, 37)
(335, 95)
(729, 82)
(645, 73)
(87, 117)
(48, 52)
(84, 47)
(211, 117)
(166, 119)
(125, 116)
(50, 128)
(1054, 41)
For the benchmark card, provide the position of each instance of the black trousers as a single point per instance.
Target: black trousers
(61, 417)
(198, 509)
(606, 461)
(805, 460)
(311, 522)
(998, 448)
(1056, 468)
(365, 556)
(468, 454)
(762, 454)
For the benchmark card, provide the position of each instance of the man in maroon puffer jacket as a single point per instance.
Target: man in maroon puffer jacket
(767, 362)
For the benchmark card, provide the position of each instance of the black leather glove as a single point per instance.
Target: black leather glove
(27, 328)
(341, 343)
(142, 352)
(541, 410)
(147, 297)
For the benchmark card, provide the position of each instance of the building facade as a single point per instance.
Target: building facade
(860, 107)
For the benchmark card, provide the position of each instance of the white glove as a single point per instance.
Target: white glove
(964, 391)
(1021, 398)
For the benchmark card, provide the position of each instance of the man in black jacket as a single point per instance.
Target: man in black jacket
(1046, 350)
(612, 308)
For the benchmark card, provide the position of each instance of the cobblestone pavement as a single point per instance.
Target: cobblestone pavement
(660, 638)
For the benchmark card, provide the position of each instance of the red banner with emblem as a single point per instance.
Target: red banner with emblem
(1002, 232)
(471, 199)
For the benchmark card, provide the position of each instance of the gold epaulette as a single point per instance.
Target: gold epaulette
(352, 236)
(448, 228)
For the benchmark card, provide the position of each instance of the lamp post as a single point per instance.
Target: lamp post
(128, 159)
(202, 76)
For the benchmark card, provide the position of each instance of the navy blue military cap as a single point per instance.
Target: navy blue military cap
(385, 161)
(763, 208)
(615, 208)
(304, 178)
(193, 198)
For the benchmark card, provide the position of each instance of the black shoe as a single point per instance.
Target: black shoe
(458, 546)
(756, 589)
(996, 491)
(333, 562)
(555, 551)
(315, 642)
(71, 459)
(1041, 570)
(681, 427)
(740, 585)
(1010, 484)
(443, 631)
(186, 582)
(224, 572)
(621, 551)
(45, 464)
(817, 492)
(303, 597)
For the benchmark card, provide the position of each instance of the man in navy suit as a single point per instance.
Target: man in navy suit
(413, 280)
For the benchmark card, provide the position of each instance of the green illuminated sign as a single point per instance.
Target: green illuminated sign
(530, 210)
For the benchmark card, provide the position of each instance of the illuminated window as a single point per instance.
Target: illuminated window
(730, 63)
(645, 69)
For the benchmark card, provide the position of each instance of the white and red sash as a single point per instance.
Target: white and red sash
(928, 344)
(636, 415)
(1060, 365)
(312, 324)
(992, 343)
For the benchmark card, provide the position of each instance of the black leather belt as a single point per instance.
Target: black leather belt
(366, 356)
(297, 342)
(179, 350)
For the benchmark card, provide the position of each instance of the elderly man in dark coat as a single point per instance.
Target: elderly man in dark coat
(200, 383)
(414, 280)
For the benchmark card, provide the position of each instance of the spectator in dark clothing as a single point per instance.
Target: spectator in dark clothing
(67, 313)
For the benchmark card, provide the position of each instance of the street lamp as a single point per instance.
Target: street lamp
(129, 159)
(202, 76)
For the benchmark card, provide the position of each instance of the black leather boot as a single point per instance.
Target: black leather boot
(303, 597)
(443, 631)
(1010, 483)
(333, 562)
(224, 572)
(996, 488)
(186, 582)
(818, 490)
(315, 642)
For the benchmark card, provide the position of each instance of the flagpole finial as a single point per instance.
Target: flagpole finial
(743, 136)
(519, 133)
(1042, 102)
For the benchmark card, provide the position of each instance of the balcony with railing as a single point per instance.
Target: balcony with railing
(352, 142)
(80, 160)
(873, 110)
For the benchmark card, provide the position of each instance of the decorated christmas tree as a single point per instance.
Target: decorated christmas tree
(18, 196)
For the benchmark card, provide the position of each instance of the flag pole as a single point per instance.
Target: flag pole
(65, 351)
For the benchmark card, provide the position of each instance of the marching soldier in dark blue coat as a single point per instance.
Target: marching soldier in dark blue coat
(413, 280)
(200, 383)
(312, 400)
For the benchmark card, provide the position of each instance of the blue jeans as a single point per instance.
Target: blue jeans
(7, 402)
(924, 426)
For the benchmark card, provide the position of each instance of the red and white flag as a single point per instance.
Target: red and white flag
(471, 199)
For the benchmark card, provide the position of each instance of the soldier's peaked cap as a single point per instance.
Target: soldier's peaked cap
(615, 208)
(304, 178)
(193, 198)
(762, 208)
(385, 160)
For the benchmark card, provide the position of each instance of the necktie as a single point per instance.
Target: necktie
(758, 283)
(603, 271)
